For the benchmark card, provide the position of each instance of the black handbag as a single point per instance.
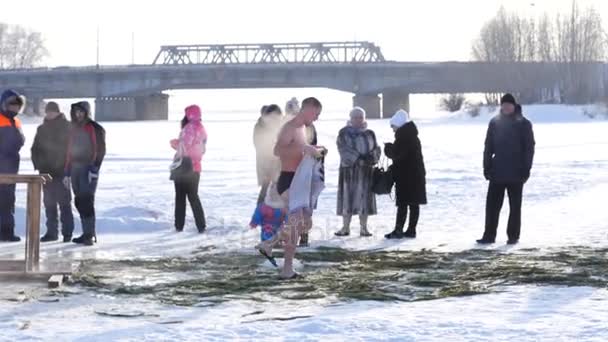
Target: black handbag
(182, 169)
(382, 180)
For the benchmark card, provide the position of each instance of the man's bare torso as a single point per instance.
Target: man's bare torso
(292, 139)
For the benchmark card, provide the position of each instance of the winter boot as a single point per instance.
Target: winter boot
(80, 239)
(88, 241)
(485, 241)
(67, 238)
(395, 234)
(8, 235)
(12, 238)
(49, 238)
(83, 239)
(410, 233)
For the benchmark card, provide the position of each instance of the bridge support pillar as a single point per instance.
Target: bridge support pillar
(34, 106)
(370, 103)
(115, 109)
(152, 107)
(393, 100)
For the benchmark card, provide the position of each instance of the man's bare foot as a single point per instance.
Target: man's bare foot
(291, 276)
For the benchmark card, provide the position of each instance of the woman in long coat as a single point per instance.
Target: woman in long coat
(408, 172)
(359, 152)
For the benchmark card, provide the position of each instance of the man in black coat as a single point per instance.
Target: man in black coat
(507, 161)
(408, 172)
(48, 156)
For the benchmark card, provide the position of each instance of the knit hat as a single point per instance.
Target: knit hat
(400, 118)
(508, 98)
(51, 107)
(193, 113)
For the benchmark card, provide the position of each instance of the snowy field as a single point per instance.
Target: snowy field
(564, 211)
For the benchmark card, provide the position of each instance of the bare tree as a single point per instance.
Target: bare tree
(577, 41)
(20, 47)
(508, 37)
(580, 43)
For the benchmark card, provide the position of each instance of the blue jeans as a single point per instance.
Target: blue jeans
(84, 198)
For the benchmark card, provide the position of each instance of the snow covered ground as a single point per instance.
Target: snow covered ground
(565, 205)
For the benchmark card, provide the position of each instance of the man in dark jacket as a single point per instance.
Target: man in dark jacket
(11, 141)
(48, 156)
(507, 161)
(86, 150)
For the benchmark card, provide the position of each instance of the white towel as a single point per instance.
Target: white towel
(307, 185)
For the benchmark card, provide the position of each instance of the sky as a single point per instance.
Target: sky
(132, 31)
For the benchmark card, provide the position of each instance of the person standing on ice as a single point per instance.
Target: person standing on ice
(11, 141)
(292, 108)
(408, 172)
(85, 154)
(507, 161)
(359, 152)
(265, 135)
(49, 153)
(192, 143)
(300, 183)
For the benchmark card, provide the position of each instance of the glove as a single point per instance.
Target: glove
(388, 150)
(486, 175)
(93, 173)
(526, 176)
(369, 159)
(66, 182)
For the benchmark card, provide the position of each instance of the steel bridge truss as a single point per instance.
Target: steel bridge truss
(308, 53)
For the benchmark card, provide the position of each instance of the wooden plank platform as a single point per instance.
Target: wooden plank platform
(44, 268)
(27, 179)
(31, 266)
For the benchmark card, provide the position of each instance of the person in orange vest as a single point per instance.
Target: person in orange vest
(11, 141)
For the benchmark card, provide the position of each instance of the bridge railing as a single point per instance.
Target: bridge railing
(336, 52)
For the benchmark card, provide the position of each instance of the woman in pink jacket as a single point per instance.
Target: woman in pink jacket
(191, 143)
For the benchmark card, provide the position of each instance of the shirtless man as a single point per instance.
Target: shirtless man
(291, 148)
